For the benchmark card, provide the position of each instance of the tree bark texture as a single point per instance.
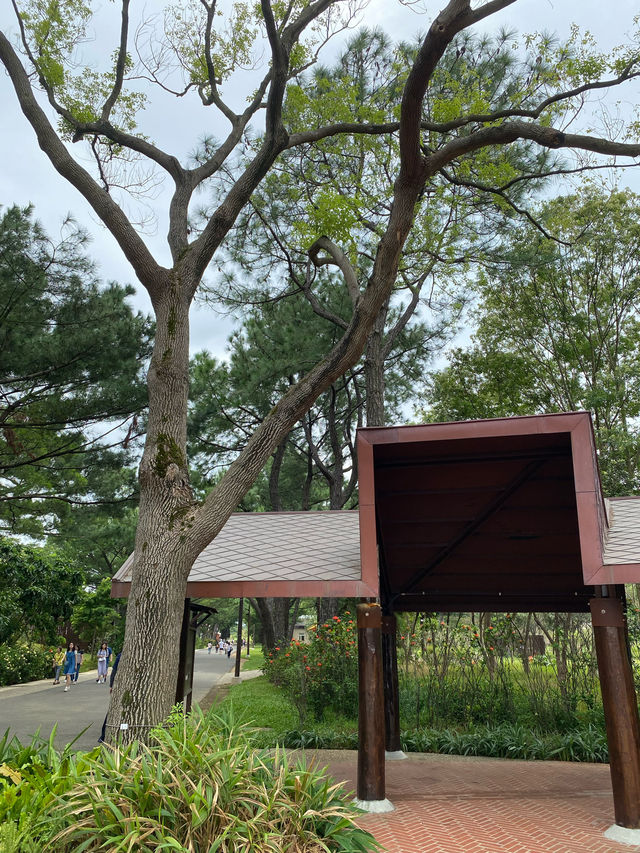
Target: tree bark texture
(144, 691)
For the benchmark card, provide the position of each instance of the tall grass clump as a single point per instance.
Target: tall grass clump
(200, 786)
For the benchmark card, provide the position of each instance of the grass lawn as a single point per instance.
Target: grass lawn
(255, 659)
(259, 702)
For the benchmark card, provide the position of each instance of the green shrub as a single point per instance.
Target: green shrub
(200, 786)
(320, 675)
(20, 662)
(511, 741)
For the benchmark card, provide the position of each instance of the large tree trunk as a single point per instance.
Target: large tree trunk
(145, 689)
(278, 619)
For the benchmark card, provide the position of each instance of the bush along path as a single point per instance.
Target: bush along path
(201, 786)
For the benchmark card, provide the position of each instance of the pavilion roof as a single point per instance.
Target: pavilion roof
(276, 554)
(504, 514)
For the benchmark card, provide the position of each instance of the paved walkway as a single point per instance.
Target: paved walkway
(25, 708)
(452, 804)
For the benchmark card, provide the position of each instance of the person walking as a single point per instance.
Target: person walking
(79, 659)
(69, 665)
(209, 645)
(58, 660)
(103, 657)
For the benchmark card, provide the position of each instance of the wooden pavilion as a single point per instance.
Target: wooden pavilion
(497, 515)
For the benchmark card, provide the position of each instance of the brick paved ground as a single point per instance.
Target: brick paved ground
(450, 804)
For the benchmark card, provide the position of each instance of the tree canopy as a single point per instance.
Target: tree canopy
(68, 415)
(39, 588)
(558, 329)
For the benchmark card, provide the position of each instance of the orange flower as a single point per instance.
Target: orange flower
(530, 657)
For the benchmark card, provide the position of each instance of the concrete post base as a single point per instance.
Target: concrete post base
(397, 755)
(375, 806)
(623, 835)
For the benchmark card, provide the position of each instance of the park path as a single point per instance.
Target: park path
(25, 708)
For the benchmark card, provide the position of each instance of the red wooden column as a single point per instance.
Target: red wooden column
(620, 708)
(370, 789)
(390, 684)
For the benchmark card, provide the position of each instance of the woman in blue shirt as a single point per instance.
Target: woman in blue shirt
(69, 664)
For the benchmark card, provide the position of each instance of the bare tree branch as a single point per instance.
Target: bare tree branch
(339, 259)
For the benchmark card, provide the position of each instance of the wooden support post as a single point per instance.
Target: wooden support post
(620, 708)
(390, 683)
(248, 627)
(239, 643)
(370, 791)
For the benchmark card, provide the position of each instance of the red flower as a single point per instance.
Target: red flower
(326, 625)
(490, 648)
(277, 648)
(308, 668)
(319, 664)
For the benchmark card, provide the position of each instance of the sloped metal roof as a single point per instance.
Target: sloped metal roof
(501, 514)
(276, 554)
(622, 546)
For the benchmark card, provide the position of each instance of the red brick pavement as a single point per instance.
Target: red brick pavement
(450, 804)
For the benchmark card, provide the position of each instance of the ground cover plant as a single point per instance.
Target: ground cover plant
(199, 786)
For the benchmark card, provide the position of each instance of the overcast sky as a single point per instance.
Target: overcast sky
(26, 176)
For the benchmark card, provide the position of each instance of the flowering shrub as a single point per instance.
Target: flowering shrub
(320, 675)
(20, 663)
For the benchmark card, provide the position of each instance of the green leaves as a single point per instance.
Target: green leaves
(56, 324)
(200, 786)
(39, 589)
